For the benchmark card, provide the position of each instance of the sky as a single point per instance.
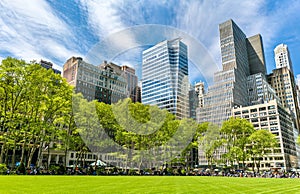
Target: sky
(57, 30)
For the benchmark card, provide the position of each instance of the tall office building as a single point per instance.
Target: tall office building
(165, 77)
(256, 56)
(230, 84)
(283, 81)
(282, 57)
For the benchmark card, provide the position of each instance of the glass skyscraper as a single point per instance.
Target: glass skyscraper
(165, 77)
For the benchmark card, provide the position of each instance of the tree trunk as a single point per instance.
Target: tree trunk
(33, 149)
(140, 164)
(258, 166)
(6, 157)
(66, 153)
(49, 157)
(23, 151)
(2, 152)
(13, 159)
(40, 155)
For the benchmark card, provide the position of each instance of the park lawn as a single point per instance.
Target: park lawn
(145, 184)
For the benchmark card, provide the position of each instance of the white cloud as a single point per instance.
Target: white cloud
(30, 29)
(103, 17)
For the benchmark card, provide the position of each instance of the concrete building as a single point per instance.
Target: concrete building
(104, 83)
(165, 77)
(196, 95)
(200, 90)
(283, 81)
(259, 90)
(282, 57)
(256, 56)
(132, 83)
(273, 117)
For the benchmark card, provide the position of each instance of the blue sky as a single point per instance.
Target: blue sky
(56, 30)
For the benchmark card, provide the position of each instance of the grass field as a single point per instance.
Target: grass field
(143, 184)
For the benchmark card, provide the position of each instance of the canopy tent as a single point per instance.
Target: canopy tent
(98, 163)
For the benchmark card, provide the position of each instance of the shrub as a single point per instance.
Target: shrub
(3, 169)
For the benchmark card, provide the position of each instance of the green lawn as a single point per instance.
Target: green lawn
(145, 184)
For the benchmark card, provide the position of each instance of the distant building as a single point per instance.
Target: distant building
(49, 65)
(282, 57)
(283, 81)
(196, 95)
(200, 90)
(132, 83)
(165, 77)
(137, 94)
(104, 83)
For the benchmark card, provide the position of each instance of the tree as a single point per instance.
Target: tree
(32, 100)
(261, 141)
(210, 142)
(235, 133)
(298, 140)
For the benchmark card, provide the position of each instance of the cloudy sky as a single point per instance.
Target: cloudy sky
(56, 30)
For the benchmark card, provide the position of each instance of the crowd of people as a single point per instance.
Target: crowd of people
(60, 170)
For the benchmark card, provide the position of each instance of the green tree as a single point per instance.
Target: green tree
(210, 142)
(235, 132)
(261, 141)
(32, 99)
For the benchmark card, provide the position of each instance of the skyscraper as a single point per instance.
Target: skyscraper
(282, 57)
(283, 81)
(230, 84)
(256, 56)
(165, 77)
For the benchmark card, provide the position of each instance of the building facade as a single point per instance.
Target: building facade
(259, 90)
(240, 57)
(273, 117)
(103, 83)
(283, 81)
(165, 77)
(132, 83)
(282, 57)
(256, 56)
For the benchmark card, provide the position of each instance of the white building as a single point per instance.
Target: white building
(282, 57)
(273, 117)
